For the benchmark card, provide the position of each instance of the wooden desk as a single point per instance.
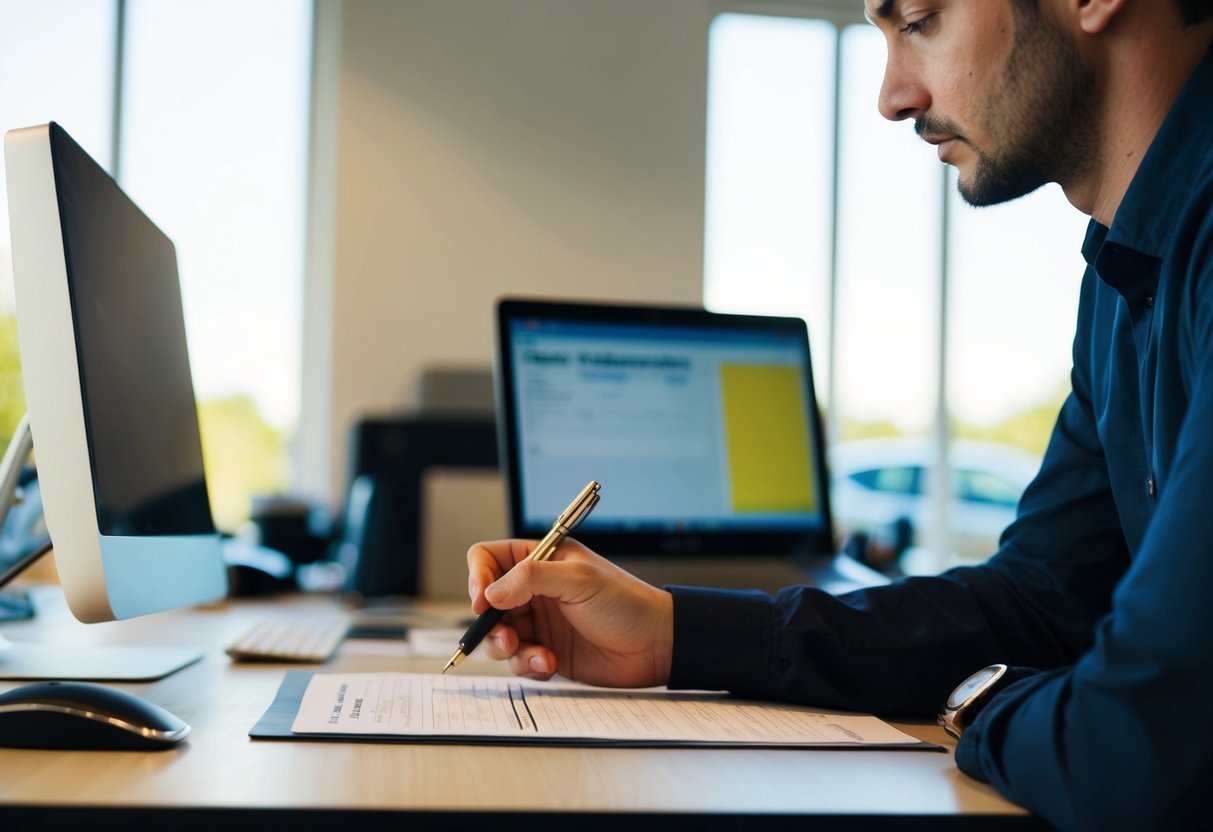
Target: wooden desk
(220, 779)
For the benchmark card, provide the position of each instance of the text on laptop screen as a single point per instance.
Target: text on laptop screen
(687, 427)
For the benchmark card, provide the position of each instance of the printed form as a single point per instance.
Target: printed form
(512, 710)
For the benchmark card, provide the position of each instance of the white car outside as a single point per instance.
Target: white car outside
(874, 482)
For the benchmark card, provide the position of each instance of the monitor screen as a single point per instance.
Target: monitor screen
(141, 418)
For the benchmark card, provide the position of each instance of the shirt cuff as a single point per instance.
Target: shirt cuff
(968, 756)
(722, 640)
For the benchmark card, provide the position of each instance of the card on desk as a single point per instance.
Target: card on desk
(418, 707)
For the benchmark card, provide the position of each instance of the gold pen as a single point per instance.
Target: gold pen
(564, 525)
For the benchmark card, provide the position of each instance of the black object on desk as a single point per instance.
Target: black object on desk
(381, 539)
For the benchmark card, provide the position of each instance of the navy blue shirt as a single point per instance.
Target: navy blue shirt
(1104, 582)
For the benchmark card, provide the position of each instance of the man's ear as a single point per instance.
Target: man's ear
(1094, 16)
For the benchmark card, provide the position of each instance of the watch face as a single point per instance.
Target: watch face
(971, 685)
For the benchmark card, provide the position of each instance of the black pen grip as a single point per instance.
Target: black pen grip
(479, 629)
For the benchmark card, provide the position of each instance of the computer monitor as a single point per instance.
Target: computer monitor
(108, 387)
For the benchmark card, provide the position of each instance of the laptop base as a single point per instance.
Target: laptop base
(833, 573)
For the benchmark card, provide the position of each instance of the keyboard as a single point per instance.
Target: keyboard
(311, 639)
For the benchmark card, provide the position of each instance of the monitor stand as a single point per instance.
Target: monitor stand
(95, 663)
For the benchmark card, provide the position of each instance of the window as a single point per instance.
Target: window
(214, 127)
(888, 227)
(1013, 302)
(769, 149)
(922, 312)
(208, 134)
(56, 63)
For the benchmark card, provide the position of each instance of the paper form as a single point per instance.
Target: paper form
(513, 710)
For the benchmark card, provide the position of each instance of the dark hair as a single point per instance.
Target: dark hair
(1191, 12)
(1194, 11)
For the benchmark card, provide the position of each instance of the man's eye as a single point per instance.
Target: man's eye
(917, 27)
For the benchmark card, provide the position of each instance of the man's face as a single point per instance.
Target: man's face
(999, 87)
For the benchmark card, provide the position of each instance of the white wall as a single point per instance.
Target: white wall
(466, 149)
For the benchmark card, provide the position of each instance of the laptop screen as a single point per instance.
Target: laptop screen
(702, 428)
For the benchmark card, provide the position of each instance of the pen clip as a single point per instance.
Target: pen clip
(568, 520)
(572, 516)
(585, 511)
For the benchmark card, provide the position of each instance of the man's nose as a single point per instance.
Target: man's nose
(902, 95)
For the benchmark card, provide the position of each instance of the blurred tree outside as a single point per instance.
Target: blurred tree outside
(880, 429)
(1028, 429)
(244, 457)
(12, 396)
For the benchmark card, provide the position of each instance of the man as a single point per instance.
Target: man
(1099, 597)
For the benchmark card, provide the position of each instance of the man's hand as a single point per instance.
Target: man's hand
(576, 614)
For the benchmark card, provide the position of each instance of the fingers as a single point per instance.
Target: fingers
(501, 643)
(533, 661)
(490, 560)
(568, 581)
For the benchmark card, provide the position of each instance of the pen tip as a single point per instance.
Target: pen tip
(454, 660)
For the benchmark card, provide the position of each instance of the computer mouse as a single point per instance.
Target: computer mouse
(83, 715)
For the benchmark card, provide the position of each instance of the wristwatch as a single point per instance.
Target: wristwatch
(969, 692)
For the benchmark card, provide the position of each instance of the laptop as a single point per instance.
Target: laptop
(702, 428)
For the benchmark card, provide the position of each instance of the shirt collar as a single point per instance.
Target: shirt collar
(1146, 218)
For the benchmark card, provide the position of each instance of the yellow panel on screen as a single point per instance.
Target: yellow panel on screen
(769, 455)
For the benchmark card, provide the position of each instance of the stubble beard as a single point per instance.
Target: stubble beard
(1044, 116)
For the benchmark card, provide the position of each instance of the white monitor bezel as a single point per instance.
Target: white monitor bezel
(104, 577)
